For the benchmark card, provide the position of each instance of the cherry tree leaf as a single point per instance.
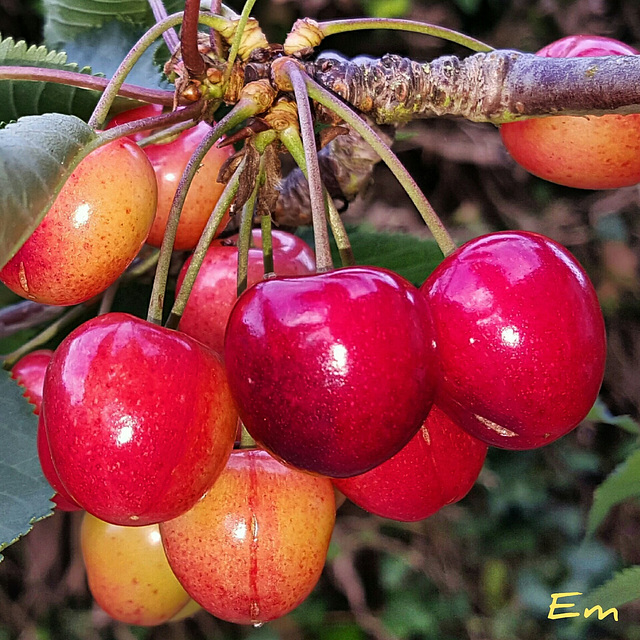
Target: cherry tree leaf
(37, 153)
(25, 495)
(623, 483)
(622, 588)
(66, 19)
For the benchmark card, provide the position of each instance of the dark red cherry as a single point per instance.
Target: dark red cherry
(333, 372)
(437, 467)
(520, 336)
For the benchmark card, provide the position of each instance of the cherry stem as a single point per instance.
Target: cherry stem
(47, 334)
(267, 244)
(244, 109)
(183, 117)
(209, 232)
(291, 140)
(189, 39)
(85, 81)
(244, 234)
(101, 110)
(328, 100)
(332, 27)
(318, 214)
(170, 36)
(166, 135)
(25, 315)
(237, 41)
(214, 36)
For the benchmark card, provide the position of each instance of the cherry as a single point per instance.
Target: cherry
(29, 372)
(254, 547)
(334, 372)
(214, 291)
(128, 573)
(520, 336)
(93, 230)
(587, 152)
(139, 419)
(169, 161)
(437, 467)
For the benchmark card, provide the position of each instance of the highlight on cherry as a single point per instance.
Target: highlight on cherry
(205, 442)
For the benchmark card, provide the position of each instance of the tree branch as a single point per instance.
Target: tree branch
(500, 86)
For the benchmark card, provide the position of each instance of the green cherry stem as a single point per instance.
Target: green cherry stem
(244, 109)
(267, 244)
(291, 140)
(237, 41)
(325, 98)
(101, 110)
(223, 204)
(244, 234)
(332, 27)
(318, 214)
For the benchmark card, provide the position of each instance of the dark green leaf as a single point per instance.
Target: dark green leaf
(33, 97)
(600, 413)
(66, 19)
(413, 258)
(623, 483)
(35, 155)
(622, 588)
(24, 492)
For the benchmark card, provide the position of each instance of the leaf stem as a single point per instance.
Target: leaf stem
(321, 235)
(44, 336)
(223, 204)
(170, 36)
(328, 100)
(332, 27)
(189, 39)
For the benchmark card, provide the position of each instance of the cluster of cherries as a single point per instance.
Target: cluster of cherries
(353, 379)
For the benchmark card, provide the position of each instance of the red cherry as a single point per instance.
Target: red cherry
(215, 290)
(334, 372)
(139, 419)
(62, 498)
(521, 339)
(254, 547)
(586, 152)
(437, 467)
(29, 372)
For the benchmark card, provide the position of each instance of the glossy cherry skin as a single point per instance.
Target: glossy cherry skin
(437, 467)
(139, 419)
(29, 372)
(587, 152)
(93, 230)
(335, 372)
(128, 573)
(169, 161)
(215, 290)
(521, 339)
(254, 547)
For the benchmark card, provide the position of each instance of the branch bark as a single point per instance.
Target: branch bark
(498, 87)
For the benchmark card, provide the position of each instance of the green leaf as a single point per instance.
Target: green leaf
(24, 492)
(66, 19)
(600, 413)
(36, 154)
(621, 484)
(411, 257)
(622, 588)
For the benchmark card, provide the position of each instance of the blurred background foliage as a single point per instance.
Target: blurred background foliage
(483, 569)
